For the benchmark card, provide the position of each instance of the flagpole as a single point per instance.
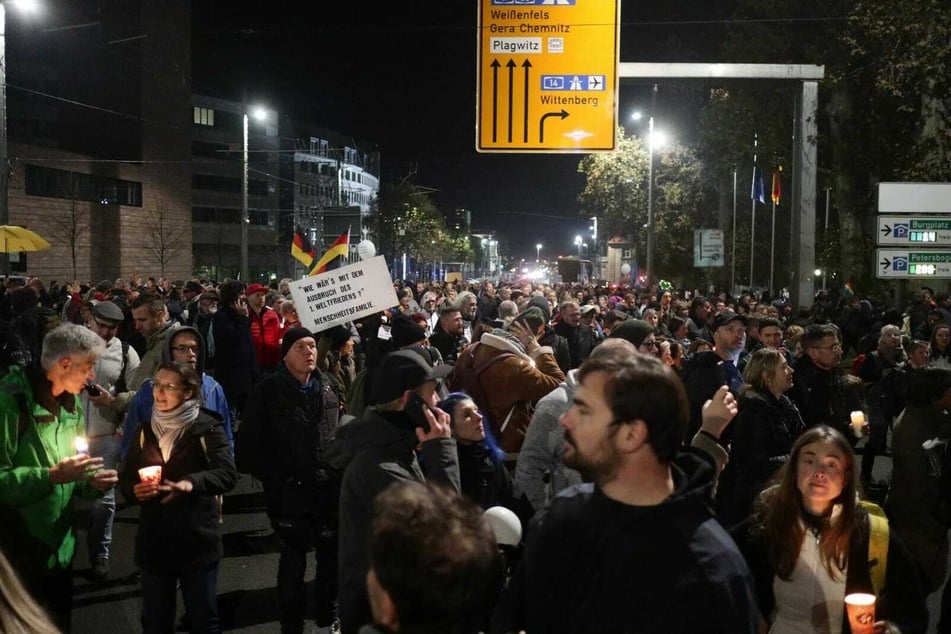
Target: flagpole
(772, 249)
(733, 258)
(753, 212)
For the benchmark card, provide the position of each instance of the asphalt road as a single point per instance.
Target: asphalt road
(247, 597)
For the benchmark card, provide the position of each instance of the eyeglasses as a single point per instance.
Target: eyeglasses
(184, 349)
(836, 346)
(167, 387)
(649, 344)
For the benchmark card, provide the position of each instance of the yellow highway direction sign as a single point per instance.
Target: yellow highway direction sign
(547, 75)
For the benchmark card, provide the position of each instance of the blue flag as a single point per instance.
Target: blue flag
(758, 192)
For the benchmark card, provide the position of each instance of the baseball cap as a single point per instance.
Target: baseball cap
(404, 370)
(726, 317)
(256, 288)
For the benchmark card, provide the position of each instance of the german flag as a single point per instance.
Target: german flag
(301, 248)
(777, 184)
(329, 260)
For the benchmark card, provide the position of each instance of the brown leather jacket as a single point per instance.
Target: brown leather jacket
(513, 385)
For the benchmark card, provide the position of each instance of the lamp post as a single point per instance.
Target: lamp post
(538, 253)
(651, 141)
(578, 243)
(259, 114)
(26, 6)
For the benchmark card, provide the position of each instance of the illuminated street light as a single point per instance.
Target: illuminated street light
(25, 6)
(538, 252)
(259, 114)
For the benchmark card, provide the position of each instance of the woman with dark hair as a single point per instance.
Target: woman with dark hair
(179, 537)
(926, 403)
(807, 545)
(484, 477)
(764, 431)
(941, 347)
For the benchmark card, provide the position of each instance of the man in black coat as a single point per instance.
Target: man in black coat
(290, 419)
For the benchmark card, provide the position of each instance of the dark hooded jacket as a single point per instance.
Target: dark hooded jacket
(377, 451)
(184, 534)
(593, 564)
(212, 395)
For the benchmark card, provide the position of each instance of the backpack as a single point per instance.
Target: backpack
(465, 374)
(877, 544)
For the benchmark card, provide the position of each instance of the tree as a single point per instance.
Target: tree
(72, 229)
(166, 236)
(616, 192)
(883, 105)
(406, 220)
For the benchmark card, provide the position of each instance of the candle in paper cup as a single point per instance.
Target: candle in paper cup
(858, 422)
(861, 611)
(81, 444)
(151, 474)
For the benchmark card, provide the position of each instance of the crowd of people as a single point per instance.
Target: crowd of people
(680, 461)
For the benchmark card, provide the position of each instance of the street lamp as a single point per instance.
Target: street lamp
(259, 114)
(24, 6)
(578, 243)
(653, 139)
(538, 253)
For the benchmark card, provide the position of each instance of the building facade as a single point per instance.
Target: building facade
(99, 144)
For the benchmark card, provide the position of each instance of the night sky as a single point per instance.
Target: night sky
(403, 76)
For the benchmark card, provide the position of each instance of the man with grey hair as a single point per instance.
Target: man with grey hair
(875, 371)
(468, 304)
(44, 463)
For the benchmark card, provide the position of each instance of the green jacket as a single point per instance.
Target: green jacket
(36, 522)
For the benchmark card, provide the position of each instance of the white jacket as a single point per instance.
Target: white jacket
(103, 421)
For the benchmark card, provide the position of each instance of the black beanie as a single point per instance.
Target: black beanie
(291, 336)
(405, 332)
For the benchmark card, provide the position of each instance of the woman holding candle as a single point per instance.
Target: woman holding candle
(807, 545)
(179, 538)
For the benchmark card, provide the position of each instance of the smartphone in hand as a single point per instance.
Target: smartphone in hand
(92, 389)
(416, 410)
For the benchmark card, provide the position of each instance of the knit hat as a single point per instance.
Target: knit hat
(532, 317)
(633, 330)
(291, 337)
(338, 336)
(404, 331)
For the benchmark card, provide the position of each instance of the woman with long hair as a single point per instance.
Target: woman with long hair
(941, 347)
(179, 537)
(764, 431)
(807, 545)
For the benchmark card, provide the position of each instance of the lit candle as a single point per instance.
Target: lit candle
(82, 446)
(858, 422)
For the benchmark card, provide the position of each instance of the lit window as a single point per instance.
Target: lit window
(203, 116)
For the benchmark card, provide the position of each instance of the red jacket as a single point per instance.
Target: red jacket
(266, 335)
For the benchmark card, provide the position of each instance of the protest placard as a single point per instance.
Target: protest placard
(344, 294)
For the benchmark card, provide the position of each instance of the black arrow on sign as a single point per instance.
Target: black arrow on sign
(886, 263)
(541, 123)
(495, 99)
(886, 230)
(525, 66)
(511, 66)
